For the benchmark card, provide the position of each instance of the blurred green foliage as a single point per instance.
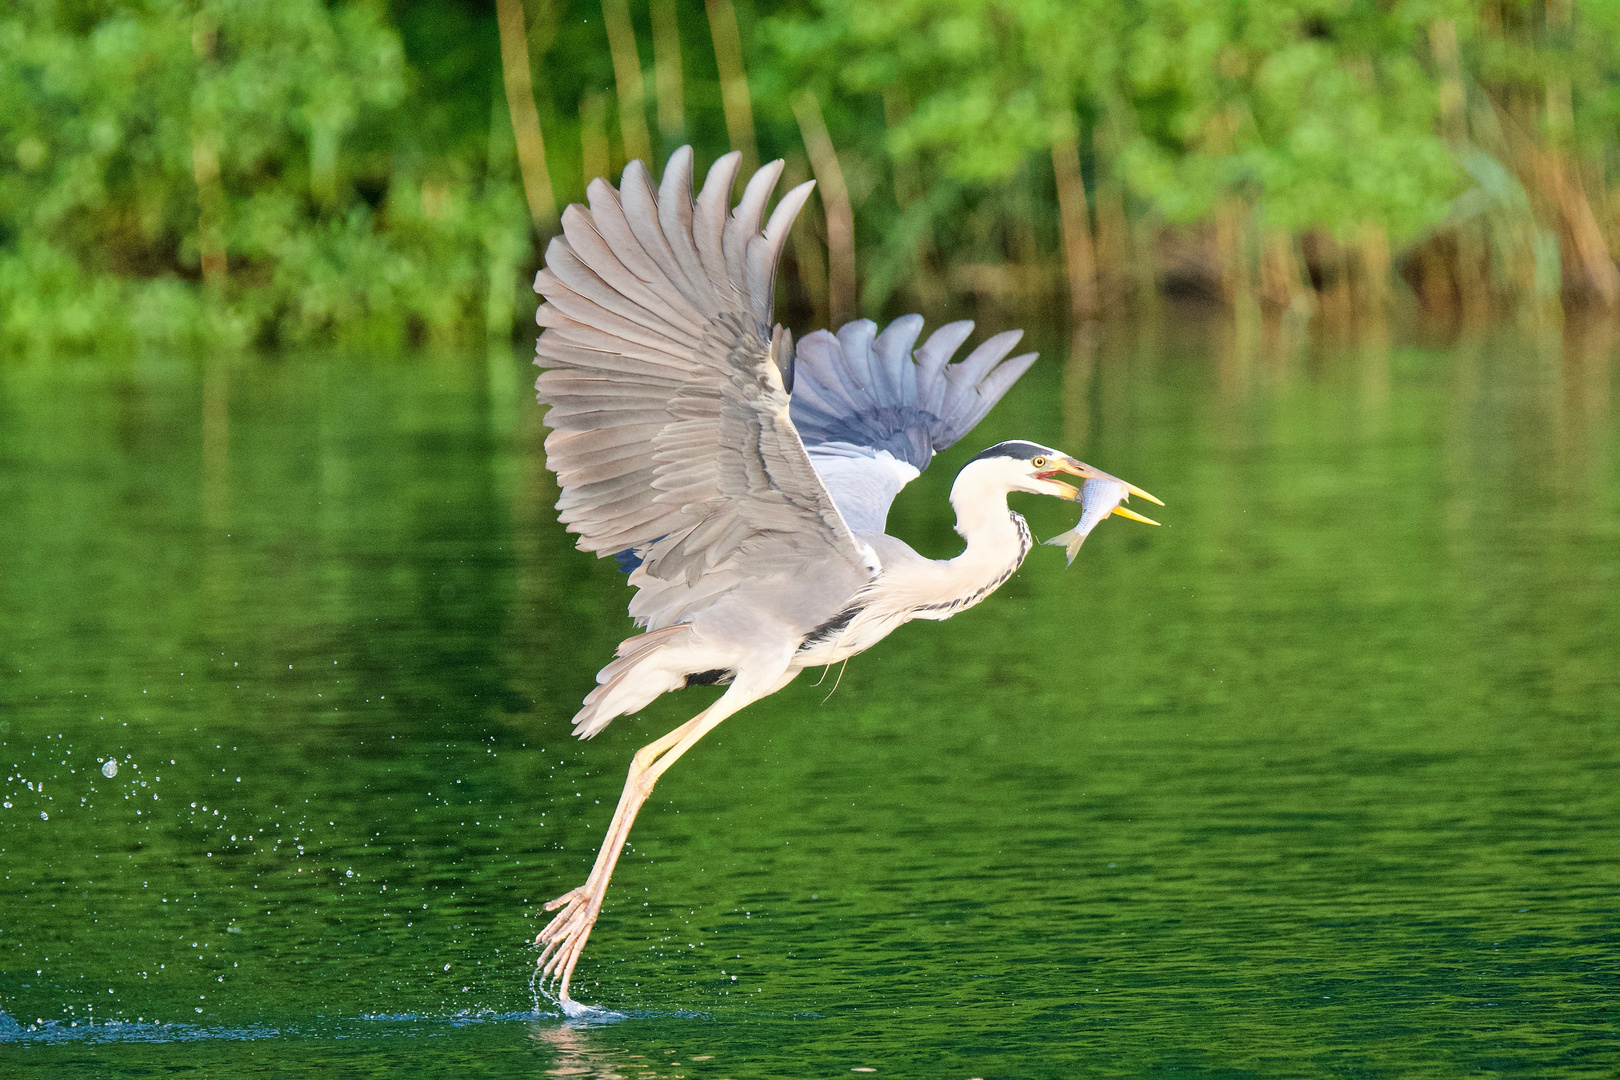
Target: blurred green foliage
(351, 207)
(248, 171)
(1320, 113)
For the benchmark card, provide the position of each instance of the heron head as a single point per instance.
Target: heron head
(1031, 467)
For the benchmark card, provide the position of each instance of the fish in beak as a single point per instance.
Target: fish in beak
(1101, 496)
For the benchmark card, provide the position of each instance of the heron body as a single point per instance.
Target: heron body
(743, 483)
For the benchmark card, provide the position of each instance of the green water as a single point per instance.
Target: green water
(1320, 779)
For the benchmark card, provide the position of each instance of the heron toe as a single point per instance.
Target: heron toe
(567, 897)
(565, 935)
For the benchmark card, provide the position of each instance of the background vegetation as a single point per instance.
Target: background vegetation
(249, 171)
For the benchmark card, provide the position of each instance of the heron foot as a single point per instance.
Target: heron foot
(565, 935)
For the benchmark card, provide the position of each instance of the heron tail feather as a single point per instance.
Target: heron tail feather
(647, 665)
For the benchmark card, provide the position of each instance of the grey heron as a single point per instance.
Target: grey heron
(744, 483)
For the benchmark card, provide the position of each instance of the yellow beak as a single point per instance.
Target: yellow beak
(1120, 511)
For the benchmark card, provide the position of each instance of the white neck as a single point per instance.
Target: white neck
(984, 521)
(997, 541)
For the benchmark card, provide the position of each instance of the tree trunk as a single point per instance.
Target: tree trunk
(733, 82)
(595, 154)
(531, 145)
(835, 198)
(627, 77)
(1079, 251)
(667, 74)
(206, 137)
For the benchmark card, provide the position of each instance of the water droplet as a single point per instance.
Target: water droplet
(43, 816)
(110, 769)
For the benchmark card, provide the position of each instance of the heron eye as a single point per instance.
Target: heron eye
(1039, 463)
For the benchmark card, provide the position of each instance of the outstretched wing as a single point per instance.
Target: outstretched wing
(872, 413)
(671, 435)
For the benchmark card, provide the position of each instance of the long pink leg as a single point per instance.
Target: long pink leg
(565, 936)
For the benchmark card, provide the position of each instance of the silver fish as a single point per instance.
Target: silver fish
(1100, 497)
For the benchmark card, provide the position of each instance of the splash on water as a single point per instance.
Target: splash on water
(577, 1013)
(580, 1014)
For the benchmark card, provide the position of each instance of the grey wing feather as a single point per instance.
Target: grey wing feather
(671, 436)
(873, 413)
(861, 388)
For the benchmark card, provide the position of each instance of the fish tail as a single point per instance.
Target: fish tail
(1070, 541)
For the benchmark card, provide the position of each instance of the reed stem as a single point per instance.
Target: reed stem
(531, 144)
(835, 199)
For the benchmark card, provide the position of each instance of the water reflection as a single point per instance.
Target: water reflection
(582, 1052)
(600, 1053)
